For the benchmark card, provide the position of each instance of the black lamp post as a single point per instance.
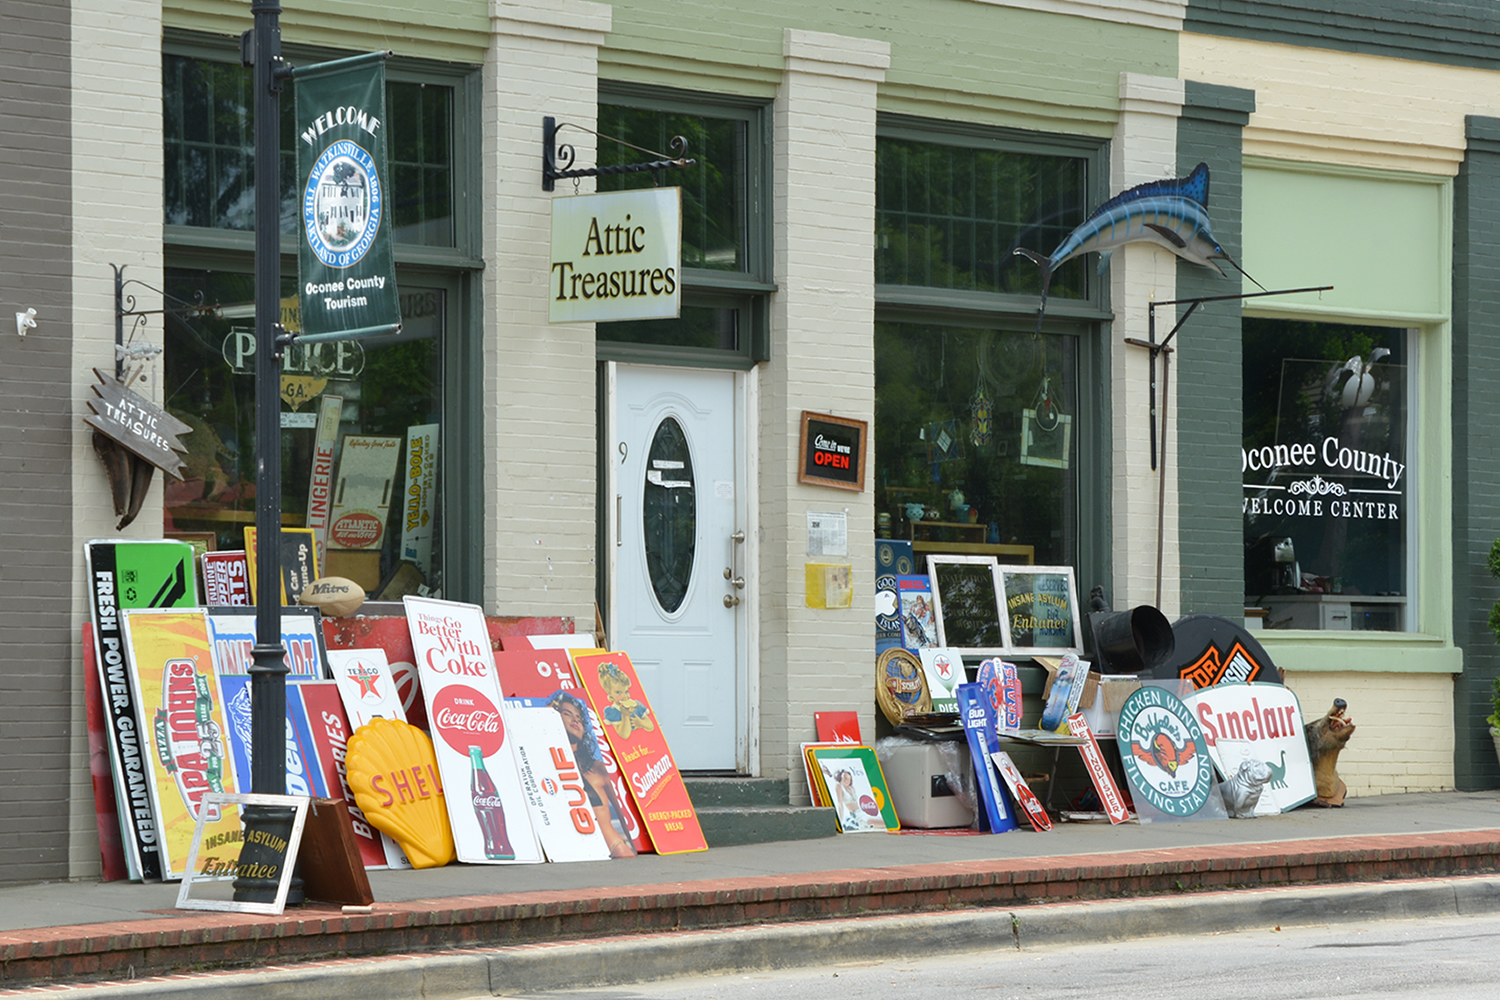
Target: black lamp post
(261, 48)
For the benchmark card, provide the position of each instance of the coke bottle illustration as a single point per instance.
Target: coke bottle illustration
(489, 810)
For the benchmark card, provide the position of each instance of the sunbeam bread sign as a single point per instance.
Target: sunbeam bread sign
(347, 274)
(616, 256)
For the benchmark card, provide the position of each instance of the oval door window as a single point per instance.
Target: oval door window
(670, 513)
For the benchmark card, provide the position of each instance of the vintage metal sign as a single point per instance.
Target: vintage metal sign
(475, 752)
(185, 740)
(616, 256)
(636, 738)
(347, 273)
(1165, 755)
(123, 575)
(1257, 723)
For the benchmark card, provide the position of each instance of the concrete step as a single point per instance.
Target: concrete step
(735, 790)
(726, 826)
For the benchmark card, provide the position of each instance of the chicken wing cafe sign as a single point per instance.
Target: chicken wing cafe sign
(616, 256)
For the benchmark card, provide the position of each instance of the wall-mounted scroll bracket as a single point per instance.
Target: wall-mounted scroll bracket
(1165, 350)
(557, 158)
(126, 348)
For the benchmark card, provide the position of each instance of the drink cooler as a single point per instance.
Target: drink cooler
(911, 773)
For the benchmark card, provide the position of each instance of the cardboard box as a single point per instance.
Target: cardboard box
(915, 775)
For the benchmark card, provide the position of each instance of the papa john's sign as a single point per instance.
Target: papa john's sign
(616, 256)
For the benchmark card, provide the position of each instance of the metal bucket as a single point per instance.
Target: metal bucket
(1132, 642)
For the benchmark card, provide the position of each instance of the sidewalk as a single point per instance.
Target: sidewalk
(60, 932)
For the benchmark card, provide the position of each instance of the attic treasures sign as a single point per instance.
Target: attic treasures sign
(616, 256)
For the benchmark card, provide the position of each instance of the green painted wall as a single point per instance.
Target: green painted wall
(1206, 380)
(1376, 237)
(1476, 457)
(449, 31)
(954, 59)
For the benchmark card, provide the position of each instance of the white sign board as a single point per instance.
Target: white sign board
(616, 256)
(475, 751)
(1260, 722)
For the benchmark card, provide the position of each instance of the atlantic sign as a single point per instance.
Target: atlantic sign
(616, 256)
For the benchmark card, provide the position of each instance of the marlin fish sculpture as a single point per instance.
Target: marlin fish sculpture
(1172, 214)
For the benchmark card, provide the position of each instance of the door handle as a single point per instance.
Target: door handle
(730, 600)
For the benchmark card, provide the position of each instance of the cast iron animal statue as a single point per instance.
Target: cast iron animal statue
(1326, 738)
(1172, 214)
(1241, 793)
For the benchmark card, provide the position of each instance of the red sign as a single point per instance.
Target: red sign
(837, 727)
(330, 733)
(1093, 761)
(391, 634)
(226, 579)
(356, 531)
(651, 774)
(466, 718)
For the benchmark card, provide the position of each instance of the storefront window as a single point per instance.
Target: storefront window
(951, 216)
(368, 433)
(975, 445)
(384, 404)
(1326, 489)
(209, 138)
(723, 254)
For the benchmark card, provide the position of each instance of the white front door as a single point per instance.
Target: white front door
(678, 587)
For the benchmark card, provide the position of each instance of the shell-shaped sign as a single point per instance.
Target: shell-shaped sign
(392, 771)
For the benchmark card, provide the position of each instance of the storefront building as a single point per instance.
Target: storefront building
(846, 250)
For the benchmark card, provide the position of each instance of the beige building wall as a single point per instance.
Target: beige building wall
(1144, 148)
(1404, 739)
(539, 382)
(823, 359)
(117, 219)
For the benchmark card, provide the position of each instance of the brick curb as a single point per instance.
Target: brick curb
(198, 940)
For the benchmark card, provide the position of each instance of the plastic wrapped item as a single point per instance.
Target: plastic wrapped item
(932, 782)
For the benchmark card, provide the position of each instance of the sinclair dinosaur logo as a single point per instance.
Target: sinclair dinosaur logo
(1163, 751)
(189, 743)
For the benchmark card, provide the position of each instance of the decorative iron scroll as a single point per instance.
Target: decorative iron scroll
(557, 158)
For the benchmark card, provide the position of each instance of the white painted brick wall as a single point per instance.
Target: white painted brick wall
(1144, 149)
(1404, 739)
(117, 219)
(822, 321)
(538, 378)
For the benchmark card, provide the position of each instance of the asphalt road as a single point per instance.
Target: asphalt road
(1434, 959)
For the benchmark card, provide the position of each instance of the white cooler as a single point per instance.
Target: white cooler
(915, 774)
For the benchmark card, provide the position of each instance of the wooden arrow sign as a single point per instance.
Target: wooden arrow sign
(138, 425)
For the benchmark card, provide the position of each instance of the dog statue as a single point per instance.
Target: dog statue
(1326, 738)
(1241, 793)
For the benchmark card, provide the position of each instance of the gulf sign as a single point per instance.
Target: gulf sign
(1257, 722)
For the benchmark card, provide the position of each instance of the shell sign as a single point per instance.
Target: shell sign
(393, 774)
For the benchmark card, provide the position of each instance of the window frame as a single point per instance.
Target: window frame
(1088, 320)
(747, 291)
(455, 268)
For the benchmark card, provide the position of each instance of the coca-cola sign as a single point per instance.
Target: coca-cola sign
(467, 718)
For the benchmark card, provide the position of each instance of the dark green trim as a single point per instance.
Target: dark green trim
(1476, 461)
(1435, 31)
(1206, 388)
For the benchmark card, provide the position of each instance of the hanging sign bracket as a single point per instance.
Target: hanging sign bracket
(557, 159)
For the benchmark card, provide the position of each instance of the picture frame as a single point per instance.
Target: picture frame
(185, 899)
(966, 600)
(1040, 603)
(831, 451)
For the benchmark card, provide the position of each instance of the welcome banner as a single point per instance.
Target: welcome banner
(347, 273)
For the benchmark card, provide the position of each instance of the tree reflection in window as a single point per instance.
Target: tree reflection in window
(669, 513)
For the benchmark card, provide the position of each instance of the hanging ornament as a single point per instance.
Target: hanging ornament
(981, 417)
(1047, 412)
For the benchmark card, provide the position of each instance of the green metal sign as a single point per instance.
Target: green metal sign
(347, 272)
